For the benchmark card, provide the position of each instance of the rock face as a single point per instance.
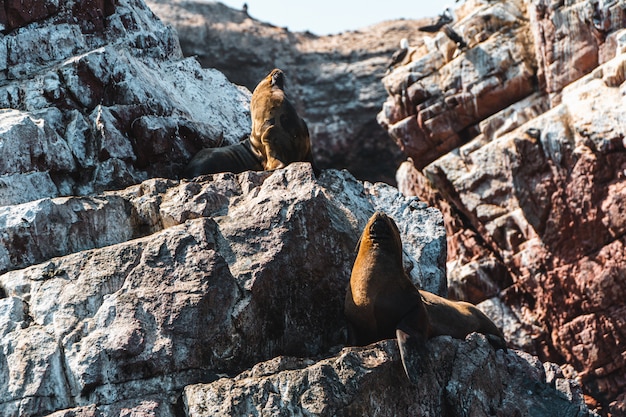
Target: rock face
(96, 95)
(519, 140)
(334, 81)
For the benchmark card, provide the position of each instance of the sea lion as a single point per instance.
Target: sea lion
(381, 300)
(233, 158)
(279, 136)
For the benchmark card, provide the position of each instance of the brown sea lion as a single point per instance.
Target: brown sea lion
(382, 301)
(279, 136)
(233, 158)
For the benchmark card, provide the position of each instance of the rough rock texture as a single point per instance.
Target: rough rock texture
(525, 155)
(437, 98)
(234, 270)
(96, 95)
(112, 302)
(334, 81)
(464, 378)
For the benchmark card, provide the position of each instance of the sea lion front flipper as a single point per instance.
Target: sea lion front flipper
(351, 335)
(413, 349)
(275, 146)
(496, 342)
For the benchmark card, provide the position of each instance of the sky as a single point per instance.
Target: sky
(325, 17)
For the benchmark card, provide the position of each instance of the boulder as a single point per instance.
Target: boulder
(530, 192)
(97, 96)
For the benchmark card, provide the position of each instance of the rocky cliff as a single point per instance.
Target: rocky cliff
(124, 291)
(520, 141)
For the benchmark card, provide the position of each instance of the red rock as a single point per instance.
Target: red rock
(539, 186)
(22, 12)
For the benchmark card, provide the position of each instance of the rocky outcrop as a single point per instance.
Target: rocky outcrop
(334, 81)
(233, 270)
(523, 150)
(120, 290)
(437, 99)
(465, 378)
(97, 95)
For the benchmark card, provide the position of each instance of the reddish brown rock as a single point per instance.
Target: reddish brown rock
(437, 99)
(570, 39)
(536, 196)
(545, 200)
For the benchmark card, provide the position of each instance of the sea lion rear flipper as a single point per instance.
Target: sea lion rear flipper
(413, 349)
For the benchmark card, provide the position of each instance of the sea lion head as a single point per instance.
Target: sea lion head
(277, 78)
(382, 234)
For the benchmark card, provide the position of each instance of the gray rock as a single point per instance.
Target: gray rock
(462, 378)
(234, 270)
(109, 105)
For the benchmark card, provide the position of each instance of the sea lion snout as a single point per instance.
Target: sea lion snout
(380, 228)
(278, 78)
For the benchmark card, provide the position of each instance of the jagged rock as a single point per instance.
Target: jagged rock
(530, 194)
(535, 198)
(112, 302)
(436, 99)
(37, 231)
(571, 39)
(464, 378)
(334, 81)
(98, 96)
(234, 270)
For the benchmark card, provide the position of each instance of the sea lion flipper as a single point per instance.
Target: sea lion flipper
(413, 349)
(496, 341)
(352, 339)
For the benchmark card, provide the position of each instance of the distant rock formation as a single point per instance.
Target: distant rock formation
(334, 81)
(520, 142)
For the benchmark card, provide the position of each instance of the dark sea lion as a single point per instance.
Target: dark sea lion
(381, 301)
(279, 136)
(233, 158)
